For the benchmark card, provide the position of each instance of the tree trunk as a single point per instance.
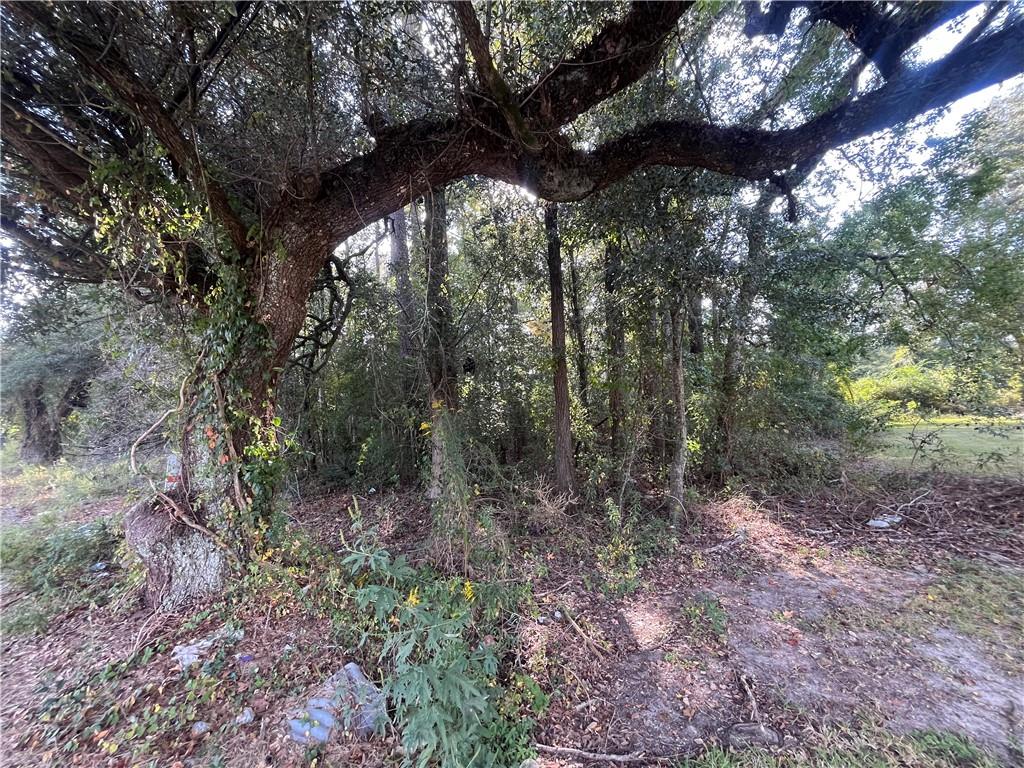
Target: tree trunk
(650, 374)
(565, 471)
(408, 347)
(695, 323)
(439, 343)
(732, 358)
(717, 313)
(404, 295)
(677, 469)
(578, 332)
(183, 564)
(223, 511)
(663, 444)
(41, 440)
(616, 344)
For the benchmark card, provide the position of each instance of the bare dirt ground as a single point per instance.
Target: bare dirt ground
(780, 610)
(810, 632)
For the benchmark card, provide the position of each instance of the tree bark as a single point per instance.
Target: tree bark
(404, 294)
(677, 469)
(440, 341)
(408, 343)
(578, 332)
(616, 344)
(695, 323)
(41, 441)
(223, 509)
(565, 470)
(650, 373)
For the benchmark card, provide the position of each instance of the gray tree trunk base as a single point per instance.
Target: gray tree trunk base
(182, 564)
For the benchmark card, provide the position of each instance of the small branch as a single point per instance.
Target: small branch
(579, 630)
(168, 412)
(632, 757)
(755, 713)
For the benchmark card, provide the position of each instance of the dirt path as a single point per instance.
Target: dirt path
(780, 629)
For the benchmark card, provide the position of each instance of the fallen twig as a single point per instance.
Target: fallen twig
(755, 714)
(632, 757)
(579, 630)
(555, 590)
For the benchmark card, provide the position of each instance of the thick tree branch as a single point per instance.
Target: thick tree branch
(134, 96)
(60, 169)
(73, 261)
(882, 35)
(211, 51)
(412, 158)
(496, 87)
(619, 55)
(758, 154)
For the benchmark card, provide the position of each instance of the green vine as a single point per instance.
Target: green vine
(232, 441)
(242, 433)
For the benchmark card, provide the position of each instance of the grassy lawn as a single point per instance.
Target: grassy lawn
(957, 443)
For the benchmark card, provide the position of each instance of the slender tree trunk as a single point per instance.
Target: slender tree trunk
(565, 471)
(616, 345)
(663, 439)
(439, 341)
(732, 358)
(695, 323)
(408, 352)
(677, 469)
(404, 294)
(578, 332)
(309, 427)
(650, 374)
(717, 313)
(41, 439)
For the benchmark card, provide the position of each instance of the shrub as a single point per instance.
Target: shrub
(54, 564)
(435, 640)
(45, 560)
(617, 560)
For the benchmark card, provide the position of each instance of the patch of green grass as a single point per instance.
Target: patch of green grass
(950, 748)
(981, 601)
(706, 617)
(62, 485)
(872, 747)
(952, 419)
(53, 562)
(986, 447)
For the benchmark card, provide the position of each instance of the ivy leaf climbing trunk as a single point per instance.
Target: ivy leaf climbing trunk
(222, 513)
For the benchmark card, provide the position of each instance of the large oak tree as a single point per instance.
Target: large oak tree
(279, 130)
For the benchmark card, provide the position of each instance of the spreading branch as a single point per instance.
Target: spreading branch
(517, 138)
(140, 100)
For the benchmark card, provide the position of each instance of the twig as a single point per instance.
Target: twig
(586, 638)
(632, 757)
(755, 715)
(138, 637)
(168, 412)
(556, 589)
